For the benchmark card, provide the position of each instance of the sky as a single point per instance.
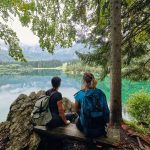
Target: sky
(24, 33)
(29, 43)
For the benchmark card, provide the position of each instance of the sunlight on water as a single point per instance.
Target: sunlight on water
(11, 86)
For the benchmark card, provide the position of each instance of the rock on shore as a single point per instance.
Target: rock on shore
(17, 132)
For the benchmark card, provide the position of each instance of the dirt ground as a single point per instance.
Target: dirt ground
(127, 143)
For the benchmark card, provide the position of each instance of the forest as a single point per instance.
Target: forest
(36, 64)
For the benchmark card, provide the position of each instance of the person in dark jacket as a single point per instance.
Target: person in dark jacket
(55, 104)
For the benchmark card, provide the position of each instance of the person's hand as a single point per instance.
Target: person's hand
(67, 122)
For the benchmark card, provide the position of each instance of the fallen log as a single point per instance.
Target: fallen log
(71, 132)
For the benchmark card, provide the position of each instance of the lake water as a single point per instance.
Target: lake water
(13, 85)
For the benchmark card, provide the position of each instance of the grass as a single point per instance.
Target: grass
(80, 68)
(19, 69)
(56, 68)
(13, 69)
(138, 128)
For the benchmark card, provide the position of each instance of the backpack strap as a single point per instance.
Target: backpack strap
(40, 108)
(52, 93)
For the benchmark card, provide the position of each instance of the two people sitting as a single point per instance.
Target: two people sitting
(90, 105)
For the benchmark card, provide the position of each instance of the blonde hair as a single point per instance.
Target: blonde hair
(92, 84)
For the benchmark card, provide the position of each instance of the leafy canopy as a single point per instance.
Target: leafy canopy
(65, 21)
(8, 9)
(135, 39)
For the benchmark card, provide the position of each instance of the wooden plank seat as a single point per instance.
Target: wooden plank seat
(71, 132)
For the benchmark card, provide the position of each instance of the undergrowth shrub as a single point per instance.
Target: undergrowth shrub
(138, 107)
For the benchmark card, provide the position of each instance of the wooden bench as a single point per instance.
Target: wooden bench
(71, 132)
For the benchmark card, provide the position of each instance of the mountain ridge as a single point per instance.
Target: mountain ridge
(35, 53)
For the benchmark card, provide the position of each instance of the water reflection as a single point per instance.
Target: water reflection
(43, 72)
(13, 85)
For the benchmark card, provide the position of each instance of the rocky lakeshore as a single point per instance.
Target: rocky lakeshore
(16, 133)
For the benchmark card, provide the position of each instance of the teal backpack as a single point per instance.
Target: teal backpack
(93, 113)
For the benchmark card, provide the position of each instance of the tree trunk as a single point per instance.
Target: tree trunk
(115, 99)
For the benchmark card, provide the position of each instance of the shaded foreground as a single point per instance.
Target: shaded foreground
(127, 143)
(71, 132)
(17, 132)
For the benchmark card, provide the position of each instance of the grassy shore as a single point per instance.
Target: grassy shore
(14, 69)
(56, 68)
(20, 69)
(79, 68)
(138, 127)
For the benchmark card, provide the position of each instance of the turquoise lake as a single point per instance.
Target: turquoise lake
(12, 85)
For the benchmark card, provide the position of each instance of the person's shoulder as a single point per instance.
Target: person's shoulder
(79, 93)
(48, 92)
(51, 92)
(58, 95)
(100, 91)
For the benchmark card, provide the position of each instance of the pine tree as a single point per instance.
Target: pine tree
(135, 40)
(115, 100)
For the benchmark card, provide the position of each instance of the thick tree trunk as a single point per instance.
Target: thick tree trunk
(115, 99)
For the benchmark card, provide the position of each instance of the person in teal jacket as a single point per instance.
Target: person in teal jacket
(91, 106)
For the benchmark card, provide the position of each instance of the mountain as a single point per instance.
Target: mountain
(4, 57)
(34, 53)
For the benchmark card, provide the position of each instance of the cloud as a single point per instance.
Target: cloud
(24, 34)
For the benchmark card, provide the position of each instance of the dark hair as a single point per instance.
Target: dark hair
(56, 81)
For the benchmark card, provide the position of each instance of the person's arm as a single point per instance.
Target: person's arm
(62, 112)
(77, 102)
(106, 109)
(77, 107)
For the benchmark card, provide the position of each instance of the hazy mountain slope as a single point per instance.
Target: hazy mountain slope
(4, 57)
(35, 53)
